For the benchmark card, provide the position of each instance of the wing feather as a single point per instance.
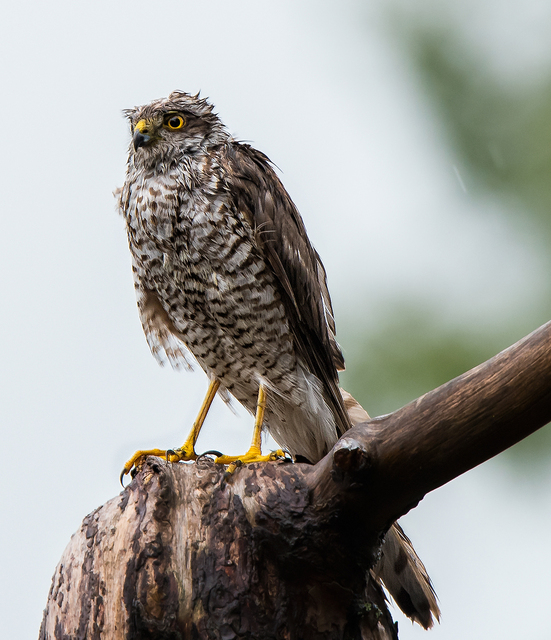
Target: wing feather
(281, 236)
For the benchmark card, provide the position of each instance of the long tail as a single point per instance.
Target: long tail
(400, 568)
(405, 577)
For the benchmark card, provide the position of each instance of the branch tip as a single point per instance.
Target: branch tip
(350, 456)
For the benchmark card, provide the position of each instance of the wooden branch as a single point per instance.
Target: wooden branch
(284, 550)
(402, 456)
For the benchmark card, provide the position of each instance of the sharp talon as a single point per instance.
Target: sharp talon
(121, 477)
(170, 452)
(210, 453)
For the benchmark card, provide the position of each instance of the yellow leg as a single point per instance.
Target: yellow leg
(254, 454)
(187, 450)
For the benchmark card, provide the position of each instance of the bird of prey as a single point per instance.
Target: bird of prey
(223, 268)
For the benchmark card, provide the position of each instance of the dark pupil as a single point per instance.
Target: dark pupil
(175, 122)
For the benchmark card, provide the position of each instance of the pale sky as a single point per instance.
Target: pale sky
(321, 88)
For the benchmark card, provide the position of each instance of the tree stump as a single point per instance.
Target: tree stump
(182, 554)
(281, 550)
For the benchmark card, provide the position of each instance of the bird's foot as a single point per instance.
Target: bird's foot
(253, 455)
(184, 453)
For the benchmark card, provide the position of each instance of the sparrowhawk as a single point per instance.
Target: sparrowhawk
(224, 269)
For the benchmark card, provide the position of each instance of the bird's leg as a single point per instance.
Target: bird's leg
(187, 450)
(254, 454)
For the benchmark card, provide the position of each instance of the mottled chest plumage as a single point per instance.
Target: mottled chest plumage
(198, 255)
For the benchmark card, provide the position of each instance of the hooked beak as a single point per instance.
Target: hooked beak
(140, 140)
(141, 137)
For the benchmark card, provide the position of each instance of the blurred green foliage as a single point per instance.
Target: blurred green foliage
(500, 134)
(501, 130)
(415, 351)
(411, 353)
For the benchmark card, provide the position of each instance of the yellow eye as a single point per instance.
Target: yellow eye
(174, 121)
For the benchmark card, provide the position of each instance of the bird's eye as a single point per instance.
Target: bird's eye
(174, 122)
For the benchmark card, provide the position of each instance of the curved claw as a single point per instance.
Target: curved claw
(128, 469)
(210, 453)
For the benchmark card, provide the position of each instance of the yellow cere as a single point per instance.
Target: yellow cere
(141, 125)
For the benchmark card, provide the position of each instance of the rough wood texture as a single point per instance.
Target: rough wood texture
(284, 550)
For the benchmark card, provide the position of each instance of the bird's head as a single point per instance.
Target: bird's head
(168, 127)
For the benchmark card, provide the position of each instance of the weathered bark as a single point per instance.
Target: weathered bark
(284, 550)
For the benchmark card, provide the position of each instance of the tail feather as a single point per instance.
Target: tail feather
(404, 575)
(400, 568)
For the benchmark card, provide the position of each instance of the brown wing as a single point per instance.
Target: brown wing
(281, 235)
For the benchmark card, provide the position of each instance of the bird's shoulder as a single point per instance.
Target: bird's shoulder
(255, 190)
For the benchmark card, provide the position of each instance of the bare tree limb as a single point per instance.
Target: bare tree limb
(402, 456)
(283, 550)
